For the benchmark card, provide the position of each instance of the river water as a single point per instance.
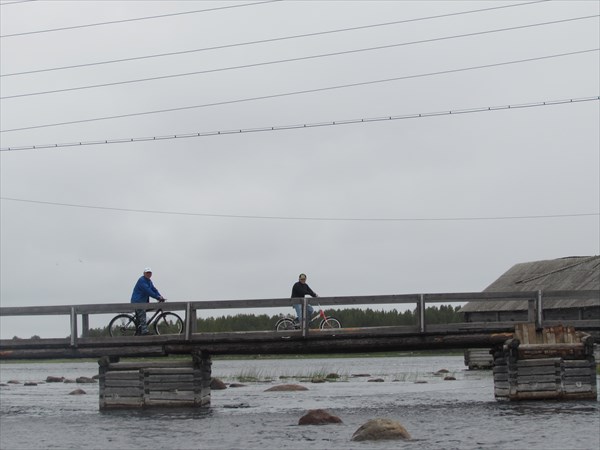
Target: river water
(438, 413)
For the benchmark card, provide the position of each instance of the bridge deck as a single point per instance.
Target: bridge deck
(345, 340)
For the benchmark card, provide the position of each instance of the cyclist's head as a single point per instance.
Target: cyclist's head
(302, 277)
(147, 272)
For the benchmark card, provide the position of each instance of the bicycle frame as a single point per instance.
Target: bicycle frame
(317, 314)
(149, 321)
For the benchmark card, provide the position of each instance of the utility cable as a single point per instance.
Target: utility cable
(160, 16)
(263, 41)
(303, 58)
(16, 3)
(304, 126)
(306, 91)
(295, 218)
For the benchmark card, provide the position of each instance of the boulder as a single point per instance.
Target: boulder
(442, 371)
(77, 392)
(13, 382)
(318, 417)
(449, 378)
(68, 380)
(29, 383)
(380, 429)
(216, 384)
(84, 380)
(234, 385)
(317, 380)
(376, 380)
(332, 376)
(52, 379)
(287, 387)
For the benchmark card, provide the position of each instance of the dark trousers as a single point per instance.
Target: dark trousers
(140, 315)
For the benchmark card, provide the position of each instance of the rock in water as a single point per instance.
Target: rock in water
(52, 379)
(287, 387)
(85, 380)
(215, 383)
(77, 392)
(318, 417)
(380, 429)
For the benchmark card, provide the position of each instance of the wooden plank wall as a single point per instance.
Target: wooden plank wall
(554, 363)
(182, 383)
(478, 358)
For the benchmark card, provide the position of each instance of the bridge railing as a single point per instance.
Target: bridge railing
(535, 310)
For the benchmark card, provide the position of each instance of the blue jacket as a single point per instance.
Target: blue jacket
(143, 290)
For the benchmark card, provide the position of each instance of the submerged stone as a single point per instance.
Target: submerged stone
(287, 387)
(84, 380)
(53, 379)
(77, 392)
(216, 384)
(318, 417)
(381, 429)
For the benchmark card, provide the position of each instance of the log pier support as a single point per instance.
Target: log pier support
(553, 363)
(180, 383)
(479, 358)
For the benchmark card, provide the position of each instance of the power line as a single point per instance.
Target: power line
(303, 58)
(263, 41)
(305, 126)
(136, 19)
(17, 2)
(306, 91)
(294, 218)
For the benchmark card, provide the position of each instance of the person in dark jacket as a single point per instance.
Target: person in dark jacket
(300, 290)
(142, 291)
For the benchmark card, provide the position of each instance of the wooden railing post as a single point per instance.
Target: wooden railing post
(422, 313)
(85, 325)
(305, 318)
(73, 327)
(190, 321)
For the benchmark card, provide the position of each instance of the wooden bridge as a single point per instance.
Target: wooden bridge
(419, 336)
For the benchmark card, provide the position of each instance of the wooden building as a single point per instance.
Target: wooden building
(580, 273)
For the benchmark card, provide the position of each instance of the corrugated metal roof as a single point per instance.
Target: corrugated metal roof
(563, 274)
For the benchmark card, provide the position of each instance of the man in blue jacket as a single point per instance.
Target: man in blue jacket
(143, 290)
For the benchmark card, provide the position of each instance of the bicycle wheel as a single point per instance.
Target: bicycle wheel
(329, 323)
(285, 324)
(168, 323)
(122, 325)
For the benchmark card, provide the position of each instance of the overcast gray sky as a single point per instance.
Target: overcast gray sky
(414, 205)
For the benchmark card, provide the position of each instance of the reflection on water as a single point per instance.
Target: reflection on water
(461, 414)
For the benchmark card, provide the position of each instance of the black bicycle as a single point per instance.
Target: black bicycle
(163, 323)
